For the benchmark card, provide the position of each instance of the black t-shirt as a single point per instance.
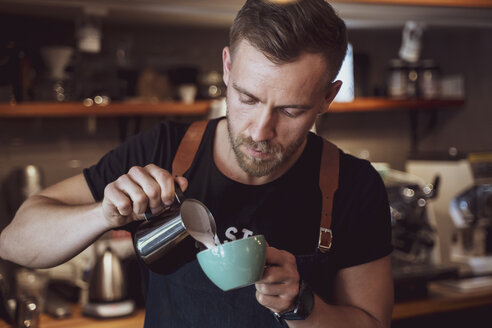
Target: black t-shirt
(287, 211)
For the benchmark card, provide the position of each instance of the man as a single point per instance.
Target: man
(258, 172)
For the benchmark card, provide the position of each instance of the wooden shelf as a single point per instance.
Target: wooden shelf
(384, 104)
(77, 320)
(442, 300)
(74, 109)
(201, 107)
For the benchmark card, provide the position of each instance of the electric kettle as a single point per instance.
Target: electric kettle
(107, 289)
(107, 282)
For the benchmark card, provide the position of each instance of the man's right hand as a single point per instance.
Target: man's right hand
(62, 220)
(126, 199)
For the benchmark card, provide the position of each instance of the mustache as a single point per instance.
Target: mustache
(262, 146)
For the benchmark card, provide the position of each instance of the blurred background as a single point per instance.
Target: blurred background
(79, 77)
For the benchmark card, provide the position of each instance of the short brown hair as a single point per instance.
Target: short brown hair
(282, 32)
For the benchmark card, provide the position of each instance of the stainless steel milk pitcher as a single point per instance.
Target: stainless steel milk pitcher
(157, 235)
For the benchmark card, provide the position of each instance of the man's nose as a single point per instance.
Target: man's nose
(263, 127)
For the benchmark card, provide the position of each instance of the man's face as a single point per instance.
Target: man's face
(262, 157)
(271, 107)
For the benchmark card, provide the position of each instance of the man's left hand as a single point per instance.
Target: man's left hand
(279, 286)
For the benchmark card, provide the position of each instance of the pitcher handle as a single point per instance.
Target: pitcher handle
(178, 195)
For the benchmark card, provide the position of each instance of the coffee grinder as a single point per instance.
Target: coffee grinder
(416, 255)
(471, 213)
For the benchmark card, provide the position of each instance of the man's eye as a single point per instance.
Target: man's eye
(291, 112)
(248, 101)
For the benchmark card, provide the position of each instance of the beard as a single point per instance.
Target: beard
(259, 167)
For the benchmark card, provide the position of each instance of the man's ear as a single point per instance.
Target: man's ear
(330, 94)
(226, 64)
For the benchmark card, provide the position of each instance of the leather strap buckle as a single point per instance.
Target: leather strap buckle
(325, 239)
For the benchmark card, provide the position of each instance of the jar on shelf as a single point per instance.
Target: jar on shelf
(412, 80)
(429, 81)
(397, 79)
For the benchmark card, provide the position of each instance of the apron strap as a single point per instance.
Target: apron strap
(188, 147)
(328, 176)
(328, 183)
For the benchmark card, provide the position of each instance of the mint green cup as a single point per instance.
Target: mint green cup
(235, 264)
